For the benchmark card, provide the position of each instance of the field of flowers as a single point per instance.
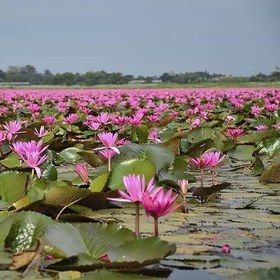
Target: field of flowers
(77, 164)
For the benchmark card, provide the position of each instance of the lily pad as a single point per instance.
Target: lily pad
(13, 185)
(133, 166)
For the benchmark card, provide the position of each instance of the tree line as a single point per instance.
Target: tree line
(29, 74)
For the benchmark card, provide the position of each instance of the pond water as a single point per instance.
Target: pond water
(178, 274)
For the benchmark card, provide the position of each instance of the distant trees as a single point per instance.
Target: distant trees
(29, 73)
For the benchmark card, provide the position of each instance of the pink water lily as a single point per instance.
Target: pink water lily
(262, 127)
(12, 127)
(235, 133)
(159, 204)
(109, 140)
(3, 136)
(49, 120)
(41, 132)
(214, 159)
(31, 154)
(71, 118)
(154, 136)
(136, 188)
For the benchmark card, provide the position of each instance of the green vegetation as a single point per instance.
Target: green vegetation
(28, 75)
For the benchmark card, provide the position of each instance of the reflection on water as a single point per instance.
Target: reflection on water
(178, 274)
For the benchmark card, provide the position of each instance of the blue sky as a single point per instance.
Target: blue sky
(147, 37)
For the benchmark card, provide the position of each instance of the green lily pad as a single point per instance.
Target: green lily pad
(133, 166)
(13, 185)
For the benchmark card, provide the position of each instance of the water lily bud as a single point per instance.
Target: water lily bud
(183, 184)
(82, 171)
(226, 248)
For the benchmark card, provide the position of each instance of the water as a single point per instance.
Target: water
(199, 274)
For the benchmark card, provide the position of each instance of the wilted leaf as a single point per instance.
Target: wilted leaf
(22, 259)
(23, 202)
(271, 174)
(204, 193)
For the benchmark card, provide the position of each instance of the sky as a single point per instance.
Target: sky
(141, 37)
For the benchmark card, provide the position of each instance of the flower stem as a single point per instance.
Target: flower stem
(137, 219)
(201, 177)
(109, 164)
(213, 176)
(185, 205)
(156, 227)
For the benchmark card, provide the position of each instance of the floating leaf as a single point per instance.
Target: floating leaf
(270, 147)
(13, 185)
(98, 184)
(242, 152)
(91, 158)
(50, 173)
(204, 193)
(109, 275)
(22, 230)
(69, 275)
(142, 133)
(133, 166)
(261, 273)
(258, 167)
(11, 161)
(271, 174)
(200, 134)
(149, 250)
(70, 155)
(90, 239)
(159, 155)
(65, 197)
(23, 202)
